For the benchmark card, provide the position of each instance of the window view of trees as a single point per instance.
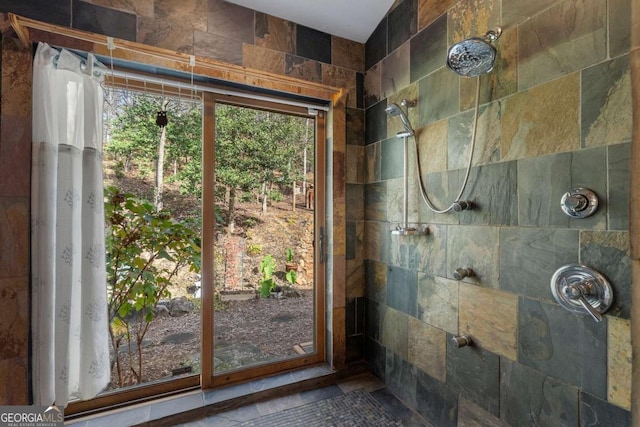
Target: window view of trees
(152, 213)
(153, 182)
(258, 152)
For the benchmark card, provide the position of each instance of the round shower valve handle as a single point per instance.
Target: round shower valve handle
(579, 202)
(581, 289)
(578, 292)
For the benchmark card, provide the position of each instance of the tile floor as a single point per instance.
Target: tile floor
(302, 409)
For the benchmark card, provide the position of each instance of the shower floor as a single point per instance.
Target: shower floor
(357, 401)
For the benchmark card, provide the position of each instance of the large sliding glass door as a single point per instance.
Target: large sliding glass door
(268, 211)
(215, 225)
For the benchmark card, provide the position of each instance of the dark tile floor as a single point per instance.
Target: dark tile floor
(361, 400)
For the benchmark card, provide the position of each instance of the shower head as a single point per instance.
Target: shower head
(474, 56)
(394, 110)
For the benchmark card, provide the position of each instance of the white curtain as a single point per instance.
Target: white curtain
(69, 298)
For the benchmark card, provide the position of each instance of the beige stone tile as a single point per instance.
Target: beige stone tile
(342, 78)
(366, 381)
(15, 159)
(472, 18)
(471, 415)
(395, 201)
(372, 240)
(568, 37)
(551, 127)
(355, 201)
(428, 348)
(259, 58)
(339, 174)
(339, 338)
(355, 164)
(438, 302)
(490, 317)
(355, 126)
(14, 317)
(165, 34)
(516, 11)
(394, 331)
(613, 122)
(373, 162)
(302, 68)
(275, 33)
(619, 362)
(16, 69)
(190, 13)
(14, 388)
(278, 404)
(138, 7)
(377, 284)
(14, 238)
(347, 53)
(355, 278)
(231, 21)
(430, 10)
(372, 86)
(395, 71)
(432, 146)
(217, 47)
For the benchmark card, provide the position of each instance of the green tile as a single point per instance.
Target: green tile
(606, 103)
(568, 37)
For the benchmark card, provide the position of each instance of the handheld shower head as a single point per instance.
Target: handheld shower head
(394, 110)
(474, 56)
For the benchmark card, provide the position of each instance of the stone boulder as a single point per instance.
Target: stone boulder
(180, 306)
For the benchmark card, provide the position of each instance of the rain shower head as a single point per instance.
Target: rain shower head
(394, 110)
(474, 56)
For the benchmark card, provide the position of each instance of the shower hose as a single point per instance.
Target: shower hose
(456, 203)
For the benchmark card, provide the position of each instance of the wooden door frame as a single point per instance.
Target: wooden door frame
(209, 378)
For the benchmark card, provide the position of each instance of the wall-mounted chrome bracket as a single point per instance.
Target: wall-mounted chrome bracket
(410, 231)
(579, 202)
(582, 290)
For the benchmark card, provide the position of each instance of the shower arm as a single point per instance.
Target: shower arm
(456, 203)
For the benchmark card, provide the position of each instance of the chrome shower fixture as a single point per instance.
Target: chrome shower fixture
(408, 103)
(394, 110)
(474, 56)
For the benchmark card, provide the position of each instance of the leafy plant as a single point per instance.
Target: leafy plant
(267, 268)
(275, 195)
(254, 249)
(289, 255)
(292, 277)
(146, 248)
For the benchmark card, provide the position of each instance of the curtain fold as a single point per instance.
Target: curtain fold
(70, 358)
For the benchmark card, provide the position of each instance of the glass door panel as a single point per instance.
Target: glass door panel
(264, 258)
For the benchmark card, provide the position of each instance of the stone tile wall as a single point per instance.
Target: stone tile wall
(555, 113)
(15, 149)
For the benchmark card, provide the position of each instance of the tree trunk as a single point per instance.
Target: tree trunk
(265, 196)
(231, 214)
(160, 163)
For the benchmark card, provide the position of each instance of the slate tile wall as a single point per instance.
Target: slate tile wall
(15, 148)
(554, 113)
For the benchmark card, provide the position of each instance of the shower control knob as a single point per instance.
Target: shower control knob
(576, 203)
(461, 341)
(579, 202)
(461, 205)
(461, 273)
